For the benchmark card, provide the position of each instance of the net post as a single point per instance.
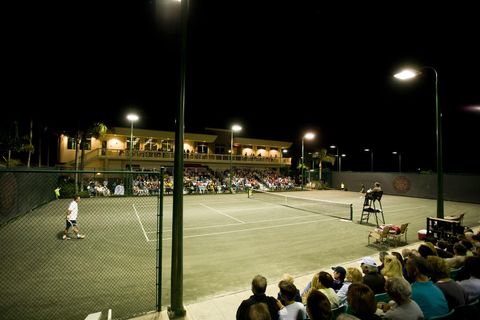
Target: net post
(351, 211)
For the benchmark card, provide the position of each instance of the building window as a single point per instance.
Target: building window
(71, 143)
(136, 143)
(201, 148)
(220, 149)
(167, 145)
(151, 144)
(87, 144)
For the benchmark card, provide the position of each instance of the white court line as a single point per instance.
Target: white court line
(224, 214)
(236, 224)
(139, 221)
(254, 208)
(252, 229)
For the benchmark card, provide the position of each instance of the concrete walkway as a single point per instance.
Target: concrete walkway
(225, 307)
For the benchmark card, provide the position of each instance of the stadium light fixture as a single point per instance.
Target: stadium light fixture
(409, 74)
(339, 166)
(371, 158)
(343, 155)
(399, 160)
(132, 118)
(234, 128)
(308, 136)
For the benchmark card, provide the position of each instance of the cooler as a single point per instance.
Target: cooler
(422, 234)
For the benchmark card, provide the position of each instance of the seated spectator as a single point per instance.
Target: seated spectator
(323, 282)
(361, 300)
(353, 276)
(293, 310)
(452, 291)
(318, 306)
(393, 267)
(381, 257)
(476, 244)
(259, 286)
(259, 311)
(338, 277)
(324, 285)
(371, 277)
(472, 284)
(403, 307)
(459, 255)
(468, 245)
(406, 253)
(429, 297)
(289, 278)
(402, 261)
(346, 316)
(426, 250)
(442, 249)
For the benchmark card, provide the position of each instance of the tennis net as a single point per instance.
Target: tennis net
(325, 207)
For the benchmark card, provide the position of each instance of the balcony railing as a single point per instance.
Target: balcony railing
(188, 157)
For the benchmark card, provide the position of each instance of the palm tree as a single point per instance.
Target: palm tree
(10, 141)
(96, 131)
(80, 136)
(323, 156)
(28, 145)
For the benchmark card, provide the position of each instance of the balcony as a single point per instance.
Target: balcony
(197, 158)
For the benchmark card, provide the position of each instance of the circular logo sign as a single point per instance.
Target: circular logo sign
(401, 184)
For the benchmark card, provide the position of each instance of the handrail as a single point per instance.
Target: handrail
(147, 154)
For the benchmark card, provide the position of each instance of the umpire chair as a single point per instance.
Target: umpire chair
(370, 207)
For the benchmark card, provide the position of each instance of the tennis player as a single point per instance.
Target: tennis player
(71, 219)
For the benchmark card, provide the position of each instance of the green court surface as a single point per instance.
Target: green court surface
(227, 240)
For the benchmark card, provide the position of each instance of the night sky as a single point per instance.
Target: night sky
(279, 69)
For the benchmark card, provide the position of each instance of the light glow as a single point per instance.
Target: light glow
(406, 74)
(472, 108)
(309, 136)
(132, 117)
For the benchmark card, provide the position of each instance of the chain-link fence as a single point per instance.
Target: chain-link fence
(44, 276)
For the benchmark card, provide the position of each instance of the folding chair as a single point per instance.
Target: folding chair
(396, 237)
(380, 235)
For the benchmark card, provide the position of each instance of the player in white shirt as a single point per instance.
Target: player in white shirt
(71, 219)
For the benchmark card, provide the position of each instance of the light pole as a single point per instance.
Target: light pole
(235, 128)
(176, 308)
(343, 155)
(282, 155)
(339, 165)
(399, 160)
(371, 158)
(408, 74)
(308, 136)
(131, 117)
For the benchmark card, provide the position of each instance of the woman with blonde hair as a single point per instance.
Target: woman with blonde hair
(323, 282)
(354, 275)
(393, 267)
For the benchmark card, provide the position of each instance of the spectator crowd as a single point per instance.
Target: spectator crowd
(436, 279)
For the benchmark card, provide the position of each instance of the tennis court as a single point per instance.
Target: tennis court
(227, 240)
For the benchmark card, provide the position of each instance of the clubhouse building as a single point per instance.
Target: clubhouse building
(152, 149)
